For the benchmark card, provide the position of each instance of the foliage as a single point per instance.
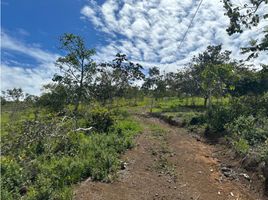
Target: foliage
(42, 159)
(215, 80)
(77, 66)
(15, 94)
(245, 16)
(117, 77)
(241, 146)
(251, 129)
(55, 98)
(217, 117)
(101, 119)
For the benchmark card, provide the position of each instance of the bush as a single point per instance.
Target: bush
(101, 119)
(217, 117)
(41, 160)
(12, 178)
(253, 130)
(241, 146)
(263, 103)
(249, 105)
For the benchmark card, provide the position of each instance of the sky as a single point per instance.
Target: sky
(148, 32)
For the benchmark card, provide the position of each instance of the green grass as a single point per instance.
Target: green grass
(48, 167)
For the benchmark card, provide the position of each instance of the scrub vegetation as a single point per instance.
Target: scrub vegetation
(84, 119)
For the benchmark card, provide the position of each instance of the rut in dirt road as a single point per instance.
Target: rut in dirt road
(167, 163)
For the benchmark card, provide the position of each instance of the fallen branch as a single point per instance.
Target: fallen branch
(88, 130)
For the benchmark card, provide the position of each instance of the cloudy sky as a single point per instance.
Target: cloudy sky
(148, 31)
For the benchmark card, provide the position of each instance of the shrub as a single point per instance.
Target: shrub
(241, 146)
(41, 160)
(249, 128)
(217, 117)
(263, 103)
(101, 119)
(12, 178)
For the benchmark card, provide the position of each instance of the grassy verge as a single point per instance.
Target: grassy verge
(43, 159)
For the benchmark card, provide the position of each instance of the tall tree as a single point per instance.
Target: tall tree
(213, 55)
(154, 85)
(77, 66)
(125, 73)
(216, 80)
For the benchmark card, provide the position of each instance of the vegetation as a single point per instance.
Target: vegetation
(245, 16)
(43, 157)
(78, 127)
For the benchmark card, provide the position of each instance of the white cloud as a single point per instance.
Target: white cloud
(30, 79)
(150, 32)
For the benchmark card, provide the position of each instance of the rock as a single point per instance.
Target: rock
(245, 176)
(123, 165)
(228, 172)
(226, 169)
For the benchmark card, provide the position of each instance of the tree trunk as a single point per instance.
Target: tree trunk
(205, 102)
(209, 100)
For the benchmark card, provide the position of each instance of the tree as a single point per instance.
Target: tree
(125, 73)
(77, 66)
(154, 85)
(29, 98)
(216, 80)
(3, 100)
(15, 94)
(188, 84)
(103, 88)
(54, 98)
(213, 55)
(245, 17)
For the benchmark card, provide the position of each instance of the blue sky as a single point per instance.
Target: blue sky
(41, 22)
(149, 32)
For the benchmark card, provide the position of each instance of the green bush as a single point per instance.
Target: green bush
(12, 178)
(46, 158)
(101, 119)
(241, 146)
(253, 130)
(263, 103)
(217, 117)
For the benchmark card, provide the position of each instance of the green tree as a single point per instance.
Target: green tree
(125, 73)
(154, 85)
(77, 66)
(54, 98)
(212, 56)
(246, 16)
(15, 94)
(29, 98)
(103, 88)
(216, 80)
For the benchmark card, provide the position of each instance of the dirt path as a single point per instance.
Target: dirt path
(167, 164)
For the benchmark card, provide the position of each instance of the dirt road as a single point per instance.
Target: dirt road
(167, 164)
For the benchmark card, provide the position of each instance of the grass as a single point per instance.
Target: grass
(48, 166)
